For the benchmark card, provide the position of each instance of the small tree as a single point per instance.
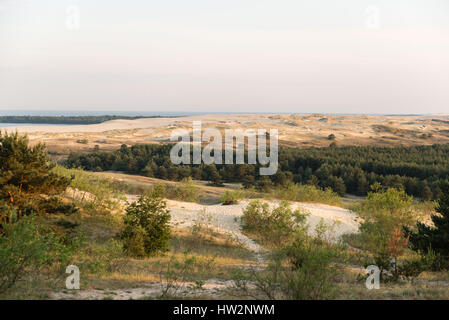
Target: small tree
(26, 175)
(384, 213)
(434, 238)
(387, 208)
(147, 231)
(214, 176)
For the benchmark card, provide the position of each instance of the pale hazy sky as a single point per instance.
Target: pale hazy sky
(346, 56)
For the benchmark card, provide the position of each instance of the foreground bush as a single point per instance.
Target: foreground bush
(146, 230)
(385, 213)
(303, 270)
(26, 248)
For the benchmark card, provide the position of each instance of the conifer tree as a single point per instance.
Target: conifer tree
(436, 237)
(26, 177)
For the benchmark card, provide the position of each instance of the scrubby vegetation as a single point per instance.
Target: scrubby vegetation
(52, 216)
(186, 191)
(232, 197)
(29, 195)
(146, 230)
(305, 193)
(27, 247)
(301, 267)
(386, 213)
(350, 169)
(95, 192)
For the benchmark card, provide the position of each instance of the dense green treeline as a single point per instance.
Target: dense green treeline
(65, 119)
(350, 169)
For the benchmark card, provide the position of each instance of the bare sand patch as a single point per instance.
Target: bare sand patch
(226, 219)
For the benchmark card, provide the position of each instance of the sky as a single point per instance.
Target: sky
(326, 56)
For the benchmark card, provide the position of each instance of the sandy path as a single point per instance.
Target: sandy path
(212, 288)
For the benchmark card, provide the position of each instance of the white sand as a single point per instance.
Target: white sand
(226, 219)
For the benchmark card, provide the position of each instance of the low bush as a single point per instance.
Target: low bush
(303, 270)
(306, 193)
(276, 226)
(146, 230)
(55, 205)
(231, 197)
(27, 247)
(177, 276)
(92, 191)
(186, 190)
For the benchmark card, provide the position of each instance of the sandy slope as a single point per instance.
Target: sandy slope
(227, 218)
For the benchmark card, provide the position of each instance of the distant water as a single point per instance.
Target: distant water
(74, 113)
(134, 113)
(6, 125)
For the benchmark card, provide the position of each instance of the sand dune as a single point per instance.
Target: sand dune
(295, 130)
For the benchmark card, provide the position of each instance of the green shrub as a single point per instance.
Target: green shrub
(180, 274)
(55, 205)
(304, 270)
(186, 191)
(146, 228)
(134, 245)
(27, 247)
(306, 193)
(92, 191)
(384, 213)
(412, 268)
(231, 197)
(275, 226)
(388, 208)
(314, 273)
(102, 258)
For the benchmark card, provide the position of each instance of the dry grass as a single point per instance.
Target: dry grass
(421, 288)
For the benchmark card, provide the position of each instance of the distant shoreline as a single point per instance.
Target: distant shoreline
(11, 121)
(19, 120)
(170, 114)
